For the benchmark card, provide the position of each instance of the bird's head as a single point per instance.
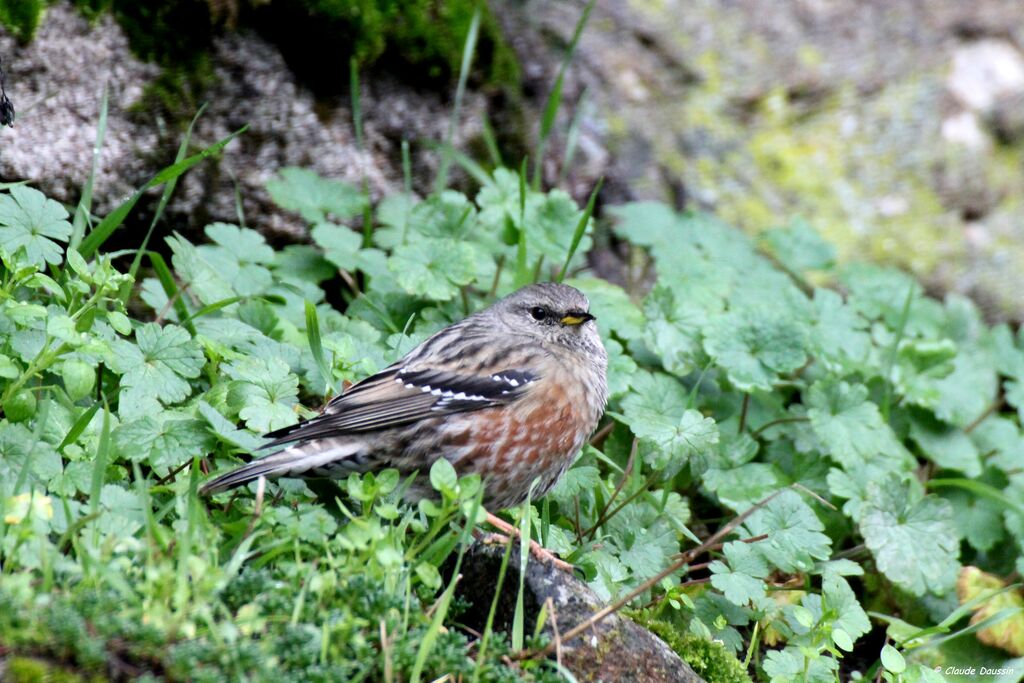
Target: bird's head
(551, 312)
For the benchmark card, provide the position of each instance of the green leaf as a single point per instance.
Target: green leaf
(948, 447)
(443, 477)
(741, 580)
(838, 336)
(9, 369)
(315, 198)
(341, 245)
(742, 486)
(672, 330)
(621, 369)
(245, 277)
(447, 215)
(878, 292)
(790, 665)
(159, 364)
(264, 393)
(551, 222)
(577, 480)
(163, 442)
(226, 431)
(895, 519)
(755, 347)
(851, 427)
(434, 268)
(794, 533)
(842, 608)
(647, 224)
(197, 273)
(247, 246)
(32, 223)
(123, 514)
(892, 660)
(799, 247)
(656, 410)
(1000, 437)
(918, 367)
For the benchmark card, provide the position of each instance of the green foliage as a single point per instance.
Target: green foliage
(21, 17)
(426, 33)
(709, 659)
(862, 436)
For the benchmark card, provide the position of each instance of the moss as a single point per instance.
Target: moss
(30, 670)
(710, 659)
(419, 39)
(21, 17)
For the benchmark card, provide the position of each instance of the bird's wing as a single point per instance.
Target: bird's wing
(401, 395)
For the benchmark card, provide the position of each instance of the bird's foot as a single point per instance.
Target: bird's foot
(539, 552)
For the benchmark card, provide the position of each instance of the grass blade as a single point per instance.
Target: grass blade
(489, 626)
(85, 203)
(115, 218)
(999, 616)
(357, 123)
(523, 276)
(572, 138)
(555, 97)
(471, 167)
(468, 49)
(581, 228)
(212, 308)
(980, 489)
(357, 112)
(491, 141)
(316, 347)
(80, 424)
(406, 167)
(165, 196)
(182, 584)
(519, 617)
(444, 602)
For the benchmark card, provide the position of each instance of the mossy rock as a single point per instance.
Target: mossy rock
(415, 39)
(710, 659)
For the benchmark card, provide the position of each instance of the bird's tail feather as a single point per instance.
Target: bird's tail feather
(296, 461)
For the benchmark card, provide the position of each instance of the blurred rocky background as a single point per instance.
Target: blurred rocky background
(894, 129)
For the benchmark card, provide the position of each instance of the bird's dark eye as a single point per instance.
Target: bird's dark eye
(539, 312)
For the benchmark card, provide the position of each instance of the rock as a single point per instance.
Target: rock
(894, 129)
(985, 71)
(965, 129)
(876, 122)
(615, 649)
(56, 81)
(1008, 118)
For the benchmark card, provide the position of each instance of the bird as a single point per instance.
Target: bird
(511, 393)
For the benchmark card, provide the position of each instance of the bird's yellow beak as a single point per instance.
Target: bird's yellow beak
(576, 318)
